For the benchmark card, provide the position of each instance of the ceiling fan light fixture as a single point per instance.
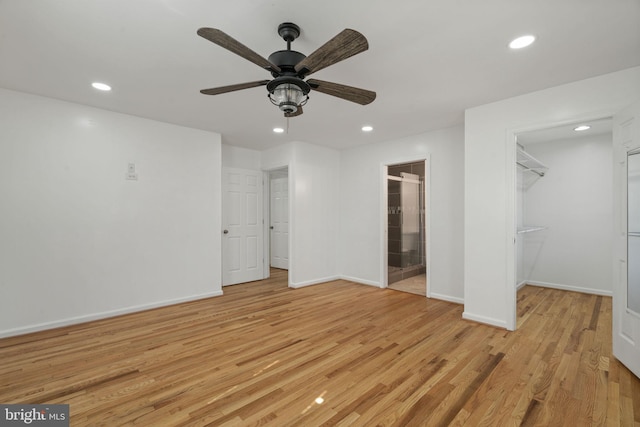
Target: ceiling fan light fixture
(288, 89)
(288, 97)
(288, 93)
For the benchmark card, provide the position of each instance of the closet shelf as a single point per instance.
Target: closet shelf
(530, 163)
(530, 229)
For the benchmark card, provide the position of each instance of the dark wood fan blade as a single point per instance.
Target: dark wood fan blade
(232, 88)
(297, 113)
(353, 94)
(343, 46)
(224, 40)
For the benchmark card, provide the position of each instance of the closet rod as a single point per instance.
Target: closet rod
(530, 229)
(530, 169)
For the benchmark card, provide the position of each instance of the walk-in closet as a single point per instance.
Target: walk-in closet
(565, 208)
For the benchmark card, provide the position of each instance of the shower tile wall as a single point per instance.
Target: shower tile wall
(397, 271)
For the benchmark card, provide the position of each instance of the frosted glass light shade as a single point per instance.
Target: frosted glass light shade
(288, 97)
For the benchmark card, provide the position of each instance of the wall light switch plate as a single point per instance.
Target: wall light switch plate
(131, 168)
(132, 176)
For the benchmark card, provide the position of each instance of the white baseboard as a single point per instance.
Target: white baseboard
(362, 281)
(313, 282)
(521, 285)
(570, 288)
(447, 298)
(483, 319)
(437, 296)
(103, 315)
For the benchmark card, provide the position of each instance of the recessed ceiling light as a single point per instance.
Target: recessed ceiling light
(581, 128)
(101, 86)
(278, 130)
(521, 42)
(367, 128)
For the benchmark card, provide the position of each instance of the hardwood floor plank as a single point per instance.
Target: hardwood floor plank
(333, 354)
(469, 390)
(613, 404)
(634, 393)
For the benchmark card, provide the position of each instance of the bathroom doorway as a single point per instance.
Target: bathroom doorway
(406, 228)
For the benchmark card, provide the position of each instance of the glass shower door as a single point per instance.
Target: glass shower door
(405, 222)
(410, 223)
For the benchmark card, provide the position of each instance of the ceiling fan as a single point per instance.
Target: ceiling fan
(288, 89)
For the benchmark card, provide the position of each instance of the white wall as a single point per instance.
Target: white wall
(574, 200)
(77, 240)
(489, 271)
(314, 194)
(277, 157)
(361, 240)
(241, 158)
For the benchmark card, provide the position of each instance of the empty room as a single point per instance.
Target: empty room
(304, 213)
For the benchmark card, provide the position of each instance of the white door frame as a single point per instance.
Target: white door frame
(267, 219)
(282, 176)
(384, 258)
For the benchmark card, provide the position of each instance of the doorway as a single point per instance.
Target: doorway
(279, 218)
(406, 227)
(564, 208)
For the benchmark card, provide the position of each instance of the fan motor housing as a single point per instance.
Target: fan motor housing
(286, 60)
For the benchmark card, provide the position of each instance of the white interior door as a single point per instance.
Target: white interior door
(242, 238)
(626, 286)
(280, 223)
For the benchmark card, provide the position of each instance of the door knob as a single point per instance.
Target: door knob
(271, 227)
(226, 231)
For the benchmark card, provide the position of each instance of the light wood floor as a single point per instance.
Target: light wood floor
(334, 354)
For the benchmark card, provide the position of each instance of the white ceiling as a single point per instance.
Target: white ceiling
(564, 132)
(428, 60)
